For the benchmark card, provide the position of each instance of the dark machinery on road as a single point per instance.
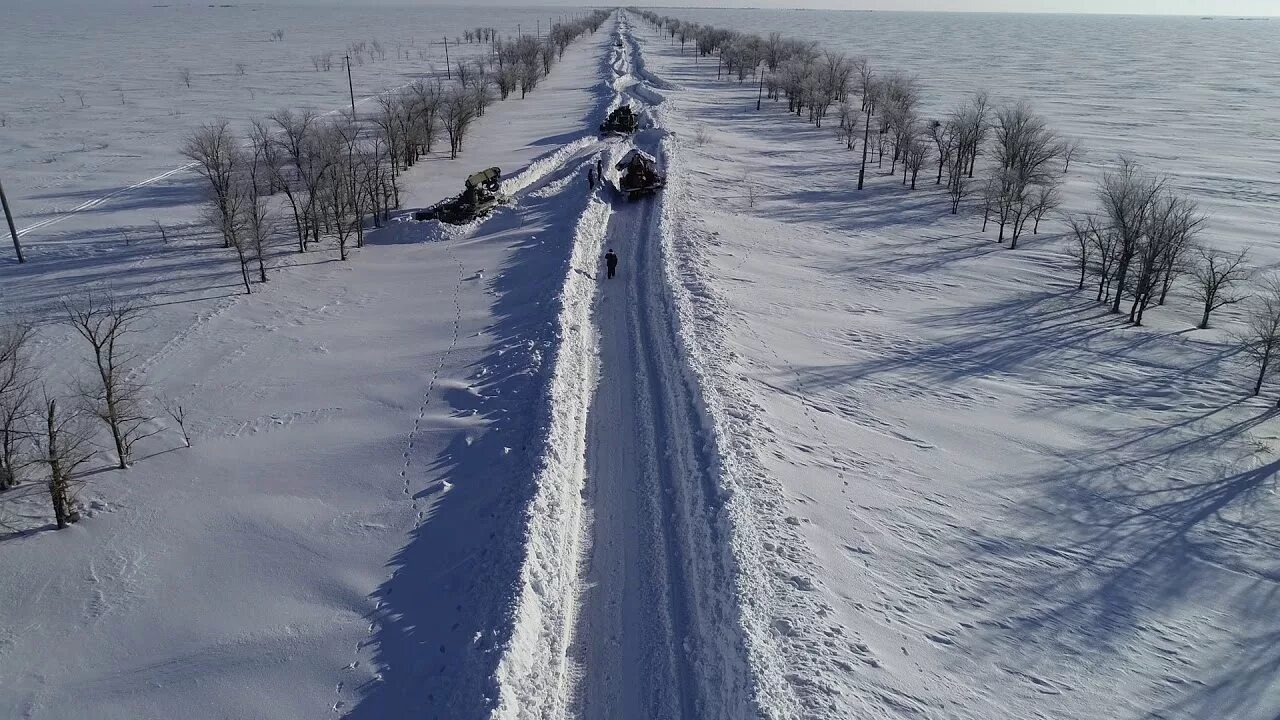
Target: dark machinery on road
(482, 194)
(621, 121)
(640, 175)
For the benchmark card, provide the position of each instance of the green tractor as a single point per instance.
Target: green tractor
(481, 195)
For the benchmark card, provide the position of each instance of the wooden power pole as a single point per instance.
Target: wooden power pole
(17, 246)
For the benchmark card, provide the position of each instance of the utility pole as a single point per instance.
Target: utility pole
(351, 88)
(448, 73)
(17, 246)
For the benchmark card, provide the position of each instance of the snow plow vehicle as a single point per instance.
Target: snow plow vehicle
(621, 121)
(640, 174)
(481, 195)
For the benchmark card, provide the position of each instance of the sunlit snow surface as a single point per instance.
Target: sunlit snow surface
(1195, 98)
(946, 484)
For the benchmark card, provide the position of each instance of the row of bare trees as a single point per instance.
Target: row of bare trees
(336, 172)
(480, 35)
(1027, 160)
(49, 437)
(1142, 239)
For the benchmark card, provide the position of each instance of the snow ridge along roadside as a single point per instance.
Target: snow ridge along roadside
(534, 674)
(780, 616)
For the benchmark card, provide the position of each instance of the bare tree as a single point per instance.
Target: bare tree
(458, 112)
(1107, 252)
(66, 447)
(917, 153)
(1072, 150)
(847, 124)
(972, 126)
(257, 218)
(1045, 198)
(213, 148)
(428, 99)
(298, 182)
(944, 140)
(1216, 275)
(184, 76)
(959, 186)
(104, 322)
(1260, 340)
(15, 400)
(1171, 224)
(1083, 247)
(80, 96)
(1025, 154)
(869, 87)
(175, 411)
(1126, 195)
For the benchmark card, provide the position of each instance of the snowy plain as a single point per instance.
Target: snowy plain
(813, 455)
(322, 547)
(1016, 506)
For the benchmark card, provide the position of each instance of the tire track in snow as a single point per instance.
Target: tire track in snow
(658, 636)
(647, 627)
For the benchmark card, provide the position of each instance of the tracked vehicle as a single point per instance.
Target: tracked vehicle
(640, 175)
(481, 195)
(622, 121)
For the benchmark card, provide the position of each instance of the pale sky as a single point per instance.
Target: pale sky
(1135, 7)
(1227, 8)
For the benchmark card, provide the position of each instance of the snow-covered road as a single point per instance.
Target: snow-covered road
(629, 609)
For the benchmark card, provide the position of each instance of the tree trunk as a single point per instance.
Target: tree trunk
(1164, 286)
(58, 493)
(1120, 275)
(866, 135)
(1204, 321)
(244, 270)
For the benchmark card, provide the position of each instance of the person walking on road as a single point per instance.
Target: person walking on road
(611, 262)
(599, 168)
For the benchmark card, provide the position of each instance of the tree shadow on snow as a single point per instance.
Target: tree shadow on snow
(183, 189)
(445, 612)
(1143, 523)
(1123, 548)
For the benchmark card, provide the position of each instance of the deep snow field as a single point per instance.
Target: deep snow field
(1194, 98)
(59, 153)
(813, 454)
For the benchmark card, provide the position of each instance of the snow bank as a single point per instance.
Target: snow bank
(534, 674)
(773, 567)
